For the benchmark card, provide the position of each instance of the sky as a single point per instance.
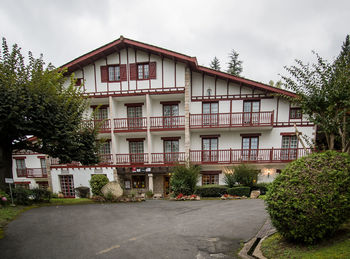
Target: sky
(267, 34)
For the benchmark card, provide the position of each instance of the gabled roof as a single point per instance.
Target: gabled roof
(122, 42)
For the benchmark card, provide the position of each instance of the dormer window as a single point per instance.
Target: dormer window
(113, 73)
(142, 71)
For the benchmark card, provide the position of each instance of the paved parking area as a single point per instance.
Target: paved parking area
(151, 229)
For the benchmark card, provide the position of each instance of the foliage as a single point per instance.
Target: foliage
(35, 102)
(22, 196)
(234, 65)
(323, 91)
(4, 198)
(40, 195)
(83, 191)
(215, 64)
(211, 190)
(239, 191)
(184, 179)
(110, 197)
(263, 187)
(97, 182)
(245, 174)
(149, 194)
(309, 200)
(230, 179)
(98, 198)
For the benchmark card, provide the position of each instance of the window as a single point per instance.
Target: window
(113, 73)
(170, 113)
(289, 147)
(250, 148)
(78, 82)
(43, 165)
(210, 113)
(136, 152)
(171, 150)
(134, 114)
(295, 113)
(101, 114)
(43, 185)
(22, 185)
(143, 71)
(251, 111)
(209, 149)
(21, 167)
(105, 152)
(138, 181)
(210, 179)
(67, 186)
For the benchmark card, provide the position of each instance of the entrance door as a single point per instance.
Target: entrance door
(250, 148)
(67, 186)
(166, 186)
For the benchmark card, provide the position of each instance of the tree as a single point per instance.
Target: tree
(184, 179)
(234, 65)
(215, 64)
(35, 102)
(323, 91)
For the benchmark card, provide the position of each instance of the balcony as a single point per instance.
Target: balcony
(231, 120)
(128, 159)
(104, 125)
(232, 156)
(36, 173)
(168, 123)
(130, 124)
(106, 159)
(168, 158)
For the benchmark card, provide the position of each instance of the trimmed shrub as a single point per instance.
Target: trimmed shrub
(245, 174)
(83, 191)
(97, 182)
(239, 191)
(184, 179)
(263, 187)
(41, 195)
(22, 196)
(211, 190)
(309, 200)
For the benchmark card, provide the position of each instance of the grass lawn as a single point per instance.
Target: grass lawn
(337, 246)
(9, 213)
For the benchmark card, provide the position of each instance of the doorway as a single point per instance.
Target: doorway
(166, 186)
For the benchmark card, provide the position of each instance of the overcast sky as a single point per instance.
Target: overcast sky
(267, 34)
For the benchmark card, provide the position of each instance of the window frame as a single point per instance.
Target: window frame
(137, 186)
(108, 78)
(208, 179)
(22, 170)
(143, 64)
(293, 113)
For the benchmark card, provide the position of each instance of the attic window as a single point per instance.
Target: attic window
(142, 71)
(113, 73)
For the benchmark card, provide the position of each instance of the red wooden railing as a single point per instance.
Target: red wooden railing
(106, 158)
(137, 158)
(173, 122)
(21, 172)
(237, 119)
(230, 156)
(105, 125)
(130, 123)
(168, 158)
(36, 173)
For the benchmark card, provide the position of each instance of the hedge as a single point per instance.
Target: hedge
(239, 191)
(211, 190)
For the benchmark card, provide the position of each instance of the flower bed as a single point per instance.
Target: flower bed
(232, 197)
(182, 197)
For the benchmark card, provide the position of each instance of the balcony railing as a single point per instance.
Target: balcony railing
(106, 159)
(130, 124)
(36, 173)
(137, 158)
(168, 158)
(238, 119)
(105, 125)
(174, 122)
(230, 156)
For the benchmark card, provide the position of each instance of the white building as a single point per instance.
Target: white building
(160, 108)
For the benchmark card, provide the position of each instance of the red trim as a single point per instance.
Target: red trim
(41, 156)
(21, 182)
(170, 102)
(133, 104)
(20, 157)
(210, 136)
(211, 172)
(287, 134)
(251, 135)
(170, 138)
(135, 139)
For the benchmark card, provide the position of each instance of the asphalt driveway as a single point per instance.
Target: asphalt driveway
(151, 229)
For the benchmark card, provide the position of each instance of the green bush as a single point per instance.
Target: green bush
(309, 200)
(97, 182)
(83, 192)
(230, 179)
(245, 174)
(184, 179)
(211, 190)
(4, 198)
(263, 187)
(22, 196)
(239, 191)
(41, 195)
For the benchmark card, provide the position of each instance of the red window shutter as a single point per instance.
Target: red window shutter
(152, 70)
(133, 71)
(123, 72)
(104, 74)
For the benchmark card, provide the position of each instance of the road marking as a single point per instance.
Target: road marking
(108, 249)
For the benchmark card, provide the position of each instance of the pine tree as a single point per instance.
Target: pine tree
(234, 65)
(215, 64)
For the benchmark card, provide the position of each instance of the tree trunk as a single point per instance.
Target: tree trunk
(5, 164)
(331, 141)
